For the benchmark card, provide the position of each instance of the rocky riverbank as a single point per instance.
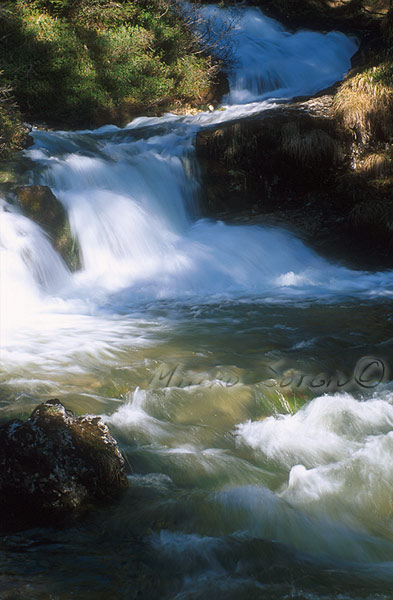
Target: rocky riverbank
(352, 16)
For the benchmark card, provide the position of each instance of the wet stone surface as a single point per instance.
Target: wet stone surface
(55, 465)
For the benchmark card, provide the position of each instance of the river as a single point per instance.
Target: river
(246, 377)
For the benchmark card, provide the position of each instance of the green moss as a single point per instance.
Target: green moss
(40, 204)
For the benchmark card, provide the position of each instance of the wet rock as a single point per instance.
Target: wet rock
(40, 204)
(55, 465)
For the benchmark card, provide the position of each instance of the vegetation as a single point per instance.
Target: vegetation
(85, 62)
(364, 107)
(308, 148)
(13, 133)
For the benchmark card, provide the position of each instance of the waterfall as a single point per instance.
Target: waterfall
(132, 201)
(269, 62)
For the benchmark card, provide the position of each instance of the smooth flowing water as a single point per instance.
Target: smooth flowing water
(246, 377)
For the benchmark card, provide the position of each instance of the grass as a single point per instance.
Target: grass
(308, 147)
(377, 165)
(92, 61)
(364, 103)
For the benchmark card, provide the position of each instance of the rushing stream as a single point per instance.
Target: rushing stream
(232, 363)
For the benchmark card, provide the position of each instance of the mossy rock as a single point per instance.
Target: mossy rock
(14, 134)
(40, 204)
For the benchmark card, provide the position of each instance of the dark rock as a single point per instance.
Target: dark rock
(54, 465)
(353, 16)
(40, 204)
(282, 153)
(296, 165)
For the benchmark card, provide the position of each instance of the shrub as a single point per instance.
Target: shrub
(85, 61)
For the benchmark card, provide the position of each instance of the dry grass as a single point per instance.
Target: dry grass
(376, 164)
(364, 104)
(308, 147)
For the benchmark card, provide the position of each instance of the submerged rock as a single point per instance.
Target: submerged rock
(40, 204)
(54, 465)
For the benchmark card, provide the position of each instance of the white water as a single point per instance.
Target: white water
(335, 499)
(269, 62)
(132, 199)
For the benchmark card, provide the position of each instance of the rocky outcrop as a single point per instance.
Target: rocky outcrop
(40, 204)
(354, 16)
(279, 154)
(299, 164)
(54, 465)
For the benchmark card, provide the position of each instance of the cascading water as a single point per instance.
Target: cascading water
(269, 62)
(187, 335)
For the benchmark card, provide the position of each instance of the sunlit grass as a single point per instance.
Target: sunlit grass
(364, 103)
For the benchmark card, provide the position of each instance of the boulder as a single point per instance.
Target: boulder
(55, 465)
(270, 159)
(297, 165)
(40, 204)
